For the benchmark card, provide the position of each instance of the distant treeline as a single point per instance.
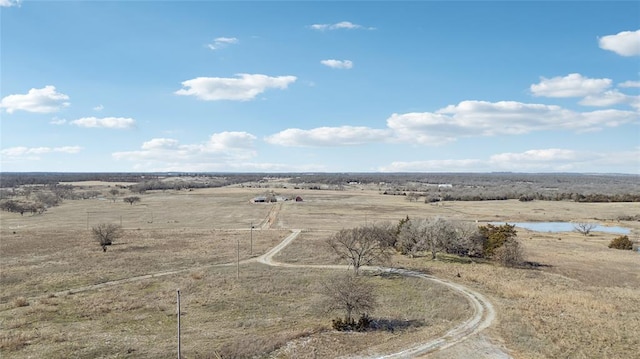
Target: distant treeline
(431, 187)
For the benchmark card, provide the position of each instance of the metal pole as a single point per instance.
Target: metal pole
(238, 268)
(179, 356)
(251, 246)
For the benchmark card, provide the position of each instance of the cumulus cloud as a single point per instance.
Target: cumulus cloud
(338, 64)
(98, 108)
(625, 43)
(536, 160)
(338, 26)
(10, 3)
(44, 100)
(481, 118)
(243, 88)
(629, 84)
(34, 153)
(466, 119)
(220, 151)
(608, 98)
(221, 42)
(105, 122)
(572, 85)
(328, 136)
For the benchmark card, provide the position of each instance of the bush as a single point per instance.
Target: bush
(622, 242)
(495, 237)
(347, 325)
(106, 233)
(510, 253)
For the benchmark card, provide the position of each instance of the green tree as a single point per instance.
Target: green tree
(494, 237)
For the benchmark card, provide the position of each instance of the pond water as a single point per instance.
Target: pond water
(564, 227)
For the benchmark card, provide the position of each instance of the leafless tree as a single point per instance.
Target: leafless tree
(433, 235)
(114, 193)
(584, 227)
(361, 246)
(510, 254)
(131, 200)
(350, 294)
(106, 233)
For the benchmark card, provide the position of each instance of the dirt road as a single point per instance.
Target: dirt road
(476, 346)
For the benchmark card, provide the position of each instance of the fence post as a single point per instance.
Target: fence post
(179, 355)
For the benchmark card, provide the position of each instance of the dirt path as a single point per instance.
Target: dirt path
(463, 341)
(483, 314)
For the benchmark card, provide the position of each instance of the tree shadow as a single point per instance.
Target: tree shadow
(391, 325)
(534, 265)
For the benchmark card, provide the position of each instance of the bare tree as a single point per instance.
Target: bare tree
(114, 193)
(106, 233)
(131, 200)
(350, 294)
(433, 235)
(510, 254)
(361, 246)
(584, 227)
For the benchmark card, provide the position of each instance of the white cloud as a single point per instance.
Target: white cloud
(537, 160)
(244, 87)
(106, 122)
(340, 25)
(545, 155)
(481, 118)
(221, 42)
(607, 98)
(466, 119)
(98, 108)
(629, 84)
(625, 43)
(10, 3)
(33, 153)
(464, 165)
(338, 64)
(222, 150)
(44, 100)
(160, 143)
(328, 136)
(572, 85)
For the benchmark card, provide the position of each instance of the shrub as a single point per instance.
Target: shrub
(106, 233)
(622, 242)
(347, 325)
(510, 253)
(494, 237)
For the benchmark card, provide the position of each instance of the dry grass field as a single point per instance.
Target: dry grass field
(581, 303)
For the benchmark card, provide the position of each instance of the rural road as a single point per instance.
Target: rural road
(468, 331)
(483, 312)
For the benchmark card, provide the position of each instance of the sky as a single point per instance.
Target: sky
(319, 86)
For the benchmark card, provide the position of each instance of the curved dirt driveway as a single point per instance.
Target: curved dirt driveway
(483, 312)
(466, 334)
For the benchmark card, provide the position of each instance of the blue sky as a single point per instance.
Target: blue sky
(311, 86)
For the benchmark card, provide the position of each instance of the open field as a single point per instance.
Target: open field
(581, 303)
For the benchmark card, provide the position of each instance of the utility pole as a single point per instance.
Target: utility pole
(179, 356)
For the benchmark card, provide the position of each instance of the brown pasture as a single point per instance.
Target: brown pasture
(580, 302)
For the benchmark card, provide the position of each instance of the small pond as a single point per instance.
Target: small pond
(564, 227)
